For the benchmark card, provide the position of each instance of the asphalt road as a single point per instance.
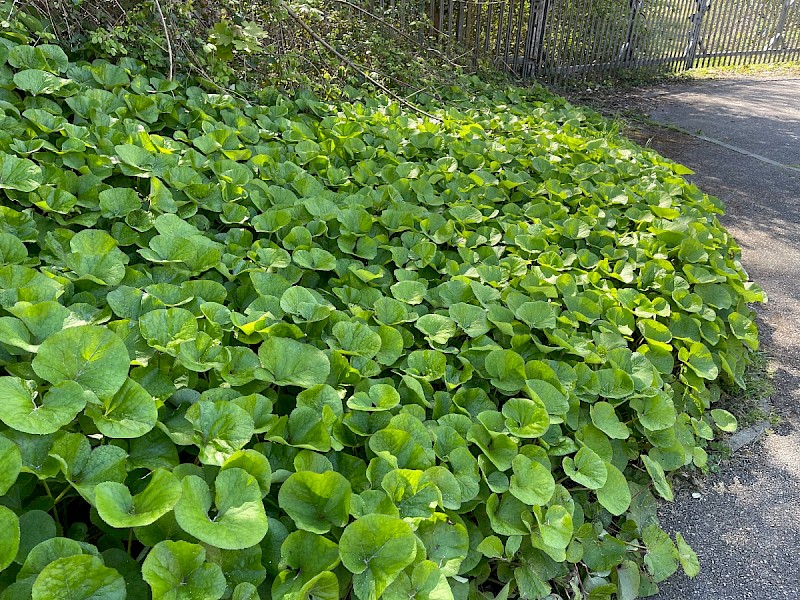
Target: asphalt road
(745, 527)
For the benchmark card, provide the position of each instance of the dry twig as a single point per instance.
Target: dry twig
(320, 40)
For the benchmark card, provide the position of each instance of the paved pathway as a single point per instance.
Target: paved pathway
(745, 149)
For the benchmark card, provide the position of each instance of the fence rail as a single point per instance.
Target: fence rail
(557, 40)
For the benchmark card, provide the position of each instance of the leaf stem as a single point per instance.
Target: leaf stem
(55, 510)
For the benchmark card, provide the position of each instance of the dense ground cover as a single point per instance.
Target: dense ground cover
(299, 349)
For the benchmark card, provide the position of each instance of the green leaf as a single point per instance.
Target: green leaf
(119, 509)
(10, 461)
(315, 259)
(255, 463)
(245, 591)
(42, 319)
(35, 526)
(655, 413)
(46, 57)
(95, 256)
(554, 401)
(130, 413)
(724, 420)
(437, 329)
(526, 418)
(662, 556)
(537, 315)
(379, 397)
(57, 408)
(88, 354)
(410, 292)
(614, 383)
(85, 467)
(19, 173)
(12, 250)
(239, 521)
(178, 570)
(428, 364)
(744, 328)
(356, 339)
(586, 469)
(507, 370)
(687, 557)
(660, 482)
(45, 552)
(376, 548)
(309, 553)
(9, 537)
(491, 547)
(531, 482)
(614, 496)
(606, 420)
(167, 329)
(118, 202)
(470, 318)
(316, 502)
(37, 82)
(555, 528)
(698, 358)
(530, 585)
(289, 362)
(80, 577)
(446, 544)
(221, 429)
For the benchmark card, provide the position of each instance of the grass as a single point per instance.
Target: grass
(783, 69)
(751, 405)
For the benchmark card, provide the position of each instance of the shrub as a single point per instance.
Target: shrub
(296, 349)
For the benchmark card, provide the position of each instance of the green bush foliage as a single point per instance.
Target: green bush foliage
(294, 349)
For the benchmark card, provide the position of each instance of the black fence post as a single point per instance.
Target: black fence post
(696, 22)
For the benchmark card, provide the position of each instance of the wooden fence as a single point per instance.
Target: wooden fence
(559, 40)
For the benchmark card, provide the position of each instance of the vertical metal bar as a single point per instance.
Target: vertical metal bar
(549, 53)
(476, 42)
(739, 25)
(543, 58)
(707, 31)
(777, 41)
(559, 59)
(725, 23)
(694, 32)
(441, 33)
(521, 20)
(683, 20)
(626, 52)
(489, 10)
(794, 41)
(641, 55)
(604, 32)
(591, 33)
(774, 22)
(745, 41)
(608, 42)
(752, 41)
(661, 47)
(570, 29)
(450, 36)
(541, 32)
(501, 10)
(507, 34)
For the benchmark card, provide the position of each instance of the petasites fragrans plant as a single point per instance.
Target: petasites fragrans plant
(302, 350)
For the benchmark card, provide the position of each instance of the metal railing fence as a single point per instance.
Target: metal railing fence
(559, 40)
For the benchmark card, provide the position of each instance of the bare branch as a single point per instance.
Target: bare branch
(166, 35)
(354, 66)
